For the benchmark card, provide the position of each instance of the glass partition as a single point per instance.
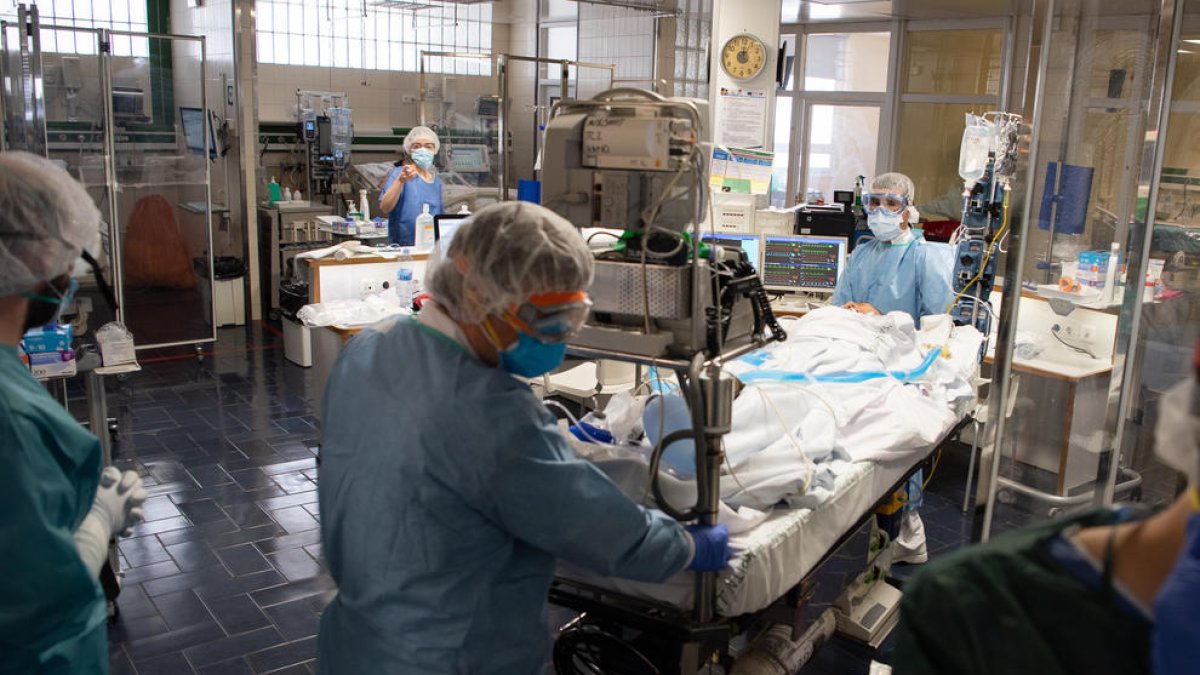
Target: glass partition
(1105, 190)
(163, 142)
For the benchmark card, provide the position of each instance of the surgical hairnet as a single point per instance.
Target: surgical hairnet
(504, 254)
(47, 220)
(898, 184)
(421, 134)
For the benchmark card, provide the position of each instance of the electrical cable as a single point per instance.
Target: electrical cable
(1054, 331)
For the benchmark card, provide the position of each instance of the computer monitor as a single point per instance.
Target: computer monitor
(192, 120)
(444, 227)
(750, 243)
(803, 262)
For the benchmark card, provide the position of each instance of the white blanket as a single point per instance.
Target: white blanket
(821, 408)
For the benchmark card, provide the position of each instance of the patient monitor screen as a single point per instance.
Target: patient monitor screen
(750, 243)
(803, 263)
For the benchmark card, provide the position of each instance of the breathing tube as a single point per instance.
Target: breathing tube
(844, 377)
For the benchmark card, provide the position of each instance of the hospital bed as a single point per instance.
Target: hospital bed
(637, 627)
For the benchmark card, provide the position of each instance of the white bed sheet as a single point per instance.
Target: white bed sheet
(776, 555)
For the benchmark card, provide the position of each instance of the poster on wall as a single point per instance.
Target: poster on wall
(741, 118)
(741, 170)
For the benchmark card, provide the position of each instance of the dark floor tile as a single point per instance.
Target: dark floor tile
(285, 467)
(202, 511)
(300, 669)
(244, 536)
(247, 515)
(293, 591)
(238, 666)
(233, 646)
(138, 551)
(119, 663)
(192, 555)
(295, 425)
(295, 519)
(168, 664)
(164, 525)
(295, 564)
(158, 508)
(209, 475)
(297, 540)
(244, 584)
(243, 559)
(124, 629)
(294, 620)
(293, 482)
(182, 609)
(237, 613)
(251, 479)
(298, 499)
(172, 641)
(145, 573)
(185, 580)
(283, 656)
(133, 602)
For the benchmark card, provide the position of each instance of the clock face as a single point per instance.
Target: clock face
(743, 57)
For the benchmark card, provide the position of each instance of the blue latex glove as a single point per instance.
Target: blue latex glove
(1177, 611)
(712, 547)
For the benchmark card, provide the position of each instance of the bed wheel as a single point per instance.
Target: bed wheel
(587, 649)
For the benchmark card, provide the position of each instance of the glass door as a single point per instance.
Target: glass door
(163, 142)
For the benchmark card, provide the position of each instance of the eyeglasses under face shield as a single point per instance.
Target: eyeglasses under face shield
(889, 202)
(551, 317)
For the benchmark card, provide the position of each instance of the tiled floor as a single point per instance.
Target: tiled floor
(225, 575)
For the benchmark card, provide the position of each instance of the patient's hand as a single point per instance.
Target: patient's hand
(862, 308)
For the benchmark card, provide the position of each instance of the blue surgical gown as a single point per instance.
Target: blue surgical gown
(402, 220)
(52, 616)
(913, 278)
(446, 494)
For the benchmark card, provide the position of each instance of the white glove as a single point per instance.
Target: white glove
(116, 508)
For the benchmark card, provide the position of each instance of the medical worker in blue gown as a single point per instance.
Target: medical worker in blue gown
(447, 492)
(411, 185)
(898, 271)
(60, 506)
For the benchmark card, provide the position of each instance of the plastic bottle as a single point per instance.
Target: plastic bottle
(405, 283)
(462, 209)
(363, 207)
(1148, 290)
(424, 233)
(1110, 274)
(273, 191)
(285, 194)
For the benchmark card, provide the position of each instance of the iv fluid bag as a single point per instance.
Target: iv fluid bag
(973, 153)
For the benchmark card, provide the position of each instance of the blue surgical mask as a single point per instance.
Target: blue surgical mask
(423, 158)
(885, 226)
(529, 357)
